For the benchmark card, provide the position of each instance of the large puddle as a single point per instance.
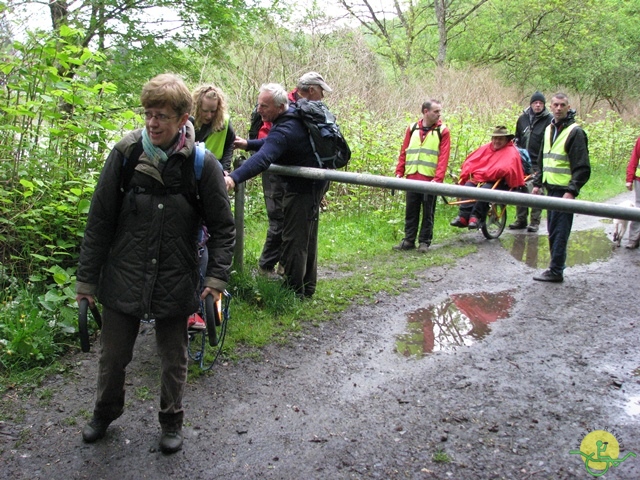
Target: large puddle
(462, 319)
(585, 246)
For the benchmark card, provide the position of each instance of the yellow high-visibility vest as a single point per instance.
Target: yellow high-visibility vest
(215, 141)
(556, 168)
(422, 156)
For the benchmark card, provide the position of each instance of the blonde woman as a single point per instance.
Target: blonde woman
(213, 124)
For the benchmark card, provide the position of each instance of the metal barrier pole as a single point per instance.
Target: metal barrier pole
(496, 196)
(238, 213)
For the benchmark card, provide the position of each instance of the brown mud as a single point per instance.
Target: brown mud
(345, 399)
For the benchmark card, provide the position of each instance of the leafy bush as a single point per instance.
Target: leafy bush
(34, 327)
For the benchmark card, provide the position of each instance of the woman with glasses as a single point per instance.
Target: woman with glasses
(212, 123)
(139, 254)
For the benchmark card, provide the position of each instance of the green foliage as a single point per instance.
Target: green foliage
(440, 456)
(30, 336)
(552, 45)
(60, 117)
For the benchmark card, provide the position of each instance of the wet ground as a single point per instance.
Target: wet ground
(481, 373)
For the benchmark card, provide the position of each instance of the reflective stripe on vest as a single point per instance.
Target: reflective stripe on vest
(215, 140)
(422, 157)
(556, 168)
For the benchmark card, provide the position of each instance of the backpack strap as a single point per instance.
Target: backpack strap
(198, 165)
(129, 166)
(198, 162)
(414, 127)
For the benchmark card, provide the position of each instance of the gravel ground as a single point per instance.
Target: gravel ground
(340, 401)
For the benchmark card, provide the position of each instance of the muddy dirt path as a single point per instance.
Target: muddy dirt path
(339, 401)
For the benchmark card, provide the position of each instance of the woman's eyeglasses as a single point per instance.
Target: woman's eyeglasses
(160, 117)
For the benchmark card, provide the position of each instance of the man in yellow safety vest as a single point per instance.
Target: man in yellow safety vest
(424, 156)
(565, 168)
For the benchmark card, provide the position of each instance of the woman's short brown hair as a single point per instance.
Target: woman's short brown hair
(166, 90)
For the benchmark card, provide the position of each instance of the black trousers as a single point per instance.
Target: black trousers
(273, 190)
(416, 203)
(300, 239)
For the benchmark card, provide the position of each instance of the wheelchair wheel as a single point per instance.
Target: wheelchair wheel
(205, 346)
(197, 345)
(496, 221)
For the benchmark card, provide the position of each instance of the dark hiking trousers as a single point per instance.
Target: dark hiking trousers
(416, 203)
(300, 239)
(273, 194)
(559, 227)
(117, 339)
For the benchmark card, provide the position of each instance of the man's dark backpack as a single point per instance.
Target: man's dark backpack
(329, 146)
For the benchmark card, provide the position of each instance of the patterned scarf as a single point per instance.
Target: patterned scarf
(155, 154)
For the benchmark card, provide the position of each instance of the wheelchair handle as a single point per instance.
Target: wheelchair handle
(212, 317)
(82, 323)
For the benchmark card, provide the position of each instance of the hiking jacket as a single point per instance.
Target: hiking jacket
(577, 149)
(529, 133)
(633, 169)
(287, 144)
(442, 158)
(139, 252)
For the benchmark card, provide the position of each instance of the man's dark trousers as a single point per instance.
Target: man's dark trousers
(273, 194)
(416, 203)
(300, 239)
(559, 227)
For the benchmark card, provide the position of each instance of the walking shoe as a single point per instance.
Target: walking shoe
(404, 245)
(196, 322)
(423, 247)
(264, 272)
(518, 225)
(633, 244)
(548, 276)
(280, 270)
(171, 440)
(532, 228)
(270, 274)
(460, 222)
(94, 430)
(473, 223)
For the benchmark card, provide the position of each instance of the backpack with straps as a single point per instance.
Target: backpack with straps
(526, 160)
(415, 127)
(129, 166)
(329, 145)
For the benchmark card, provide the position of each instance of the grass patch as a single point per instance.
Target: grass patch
(440, 456)
(356, 264)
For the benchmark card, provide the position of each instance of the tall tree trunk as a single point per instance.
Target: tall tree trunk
(59, 10)
(441, 14)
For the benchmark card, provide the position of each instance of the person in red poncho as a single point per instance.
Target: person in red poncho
(496, 160)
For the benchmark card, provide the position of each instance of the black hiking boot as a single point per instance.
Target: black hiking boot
(95, 430)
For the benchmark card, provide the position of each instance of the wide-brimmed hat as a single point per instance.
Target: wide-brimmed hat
(314, 78)
(501, 131)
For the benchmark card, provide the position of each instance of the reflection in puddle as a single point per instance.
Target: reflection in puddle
(460, 320)
(585, 246)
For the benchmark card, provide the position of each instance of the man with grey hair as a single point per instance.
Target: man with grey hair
(311, 86)
(287, 144)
